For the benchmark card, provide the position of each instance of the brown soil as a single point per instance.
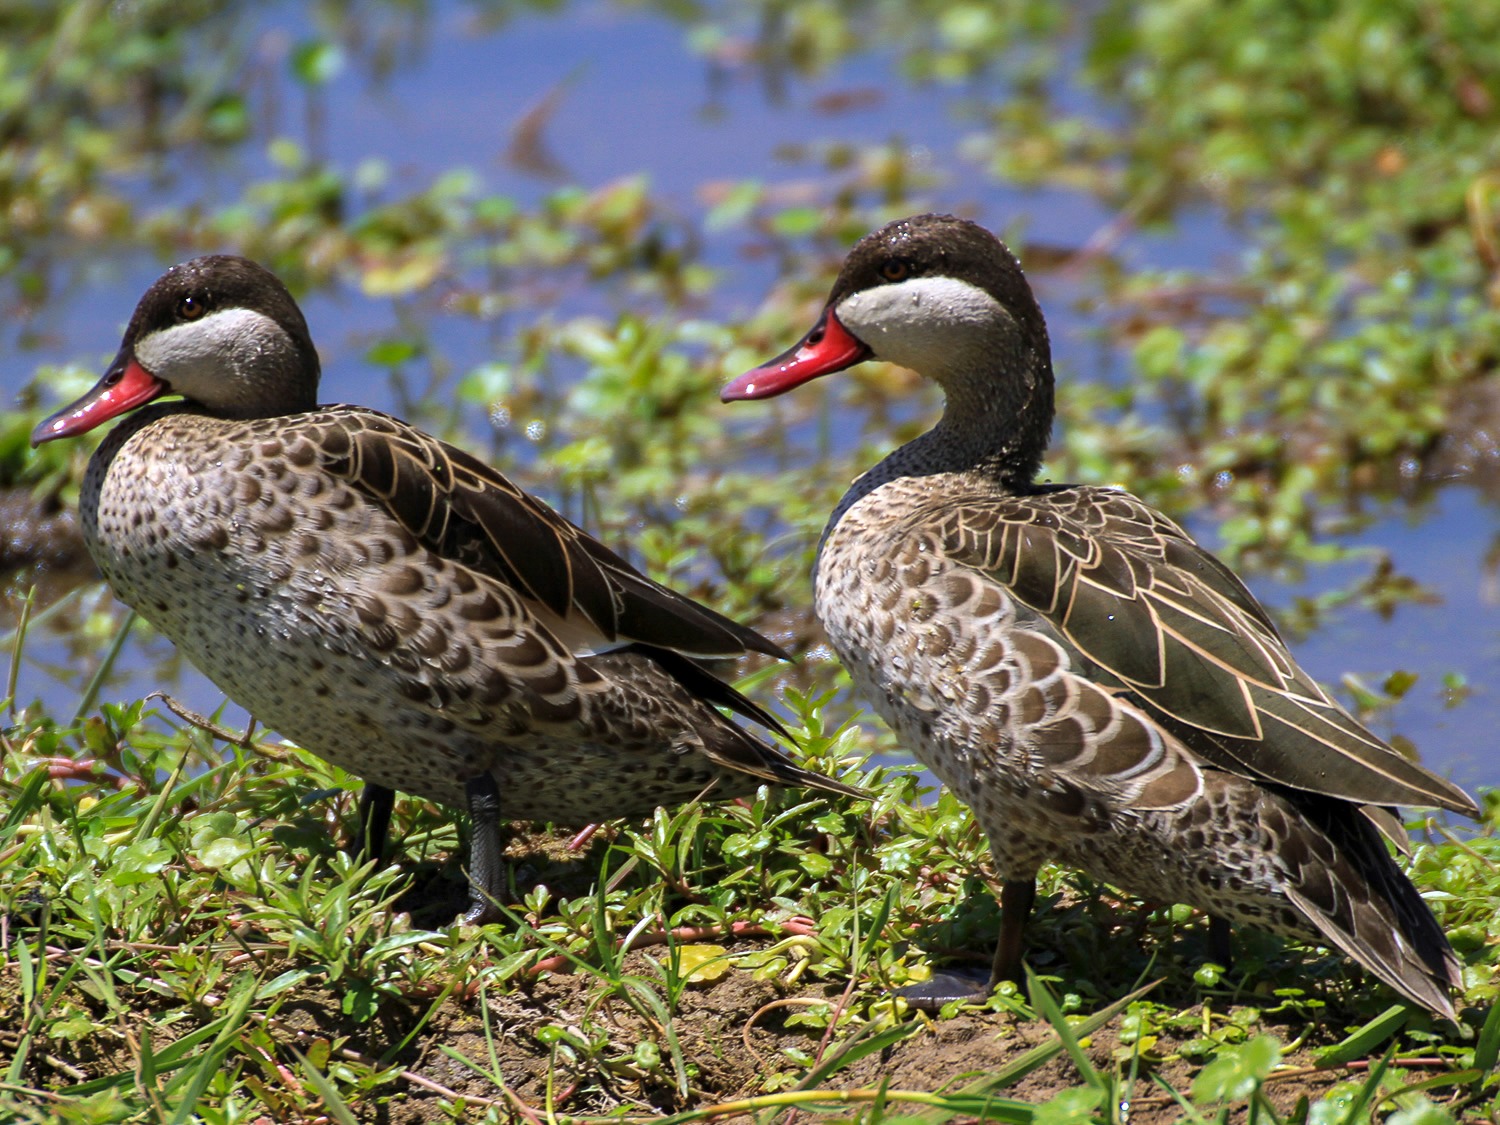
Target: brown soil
(737, 1036)
(734, 1041)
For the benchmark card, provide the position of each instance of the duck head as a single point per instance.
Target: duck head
(945, 298)
(222, 332)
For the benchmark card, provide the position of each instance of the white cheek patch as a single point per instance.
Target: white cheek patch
(207, 359)
(929, 324)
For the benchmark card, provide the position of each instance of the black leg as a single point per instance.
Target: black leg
(947, 985)
(1016, 899)
(486, 870)
(1142, 920)
(1220, 948)
(374, 822)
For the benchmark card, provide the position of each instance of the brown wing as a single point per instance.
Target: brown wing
(460, 508)
(1132, 593)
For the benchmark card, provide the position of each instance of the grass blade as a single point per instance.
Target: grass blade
(27, 801)
(1040, 1055)
(1363, 1041)
(1043, 1002)
(29, 985)
(241, 995)
(96, 681)
(858, 1046)
(15, 651)
(1356, 1109)
(1487, 1050)
(332, 1102)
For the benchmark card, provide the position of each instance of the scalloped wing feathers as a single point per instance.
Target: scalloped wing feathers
(1135, 595)
(462, 509)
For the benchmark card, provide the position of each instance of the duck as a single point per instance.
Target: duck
(385, 599)
(1101, 691)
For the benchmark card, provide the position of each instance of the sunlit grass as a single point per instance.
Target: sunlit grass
(171, 924)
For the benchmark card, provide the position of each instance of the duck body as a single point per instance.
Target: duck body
(386, 600)
(1097, 688)
(1056, 758)
(327, 618)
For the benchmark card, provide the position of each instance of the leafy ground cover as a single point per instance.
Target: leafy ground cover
(180, 936)
(185, 941)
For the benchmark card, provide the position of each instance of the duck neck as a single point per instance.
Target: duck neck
(993, 424)
(999, 438)
(994, 363)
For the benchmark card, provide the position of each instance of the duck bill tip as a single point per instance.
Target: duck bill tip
(123, 387)
(829, 347)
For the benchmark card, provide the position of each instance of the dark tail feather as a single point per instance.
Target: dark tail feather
(708, 687)
(737, 749)
(729, 744)
(1351, 890)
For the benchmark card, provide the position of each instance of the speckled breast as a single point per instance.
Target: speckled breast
(933, 649)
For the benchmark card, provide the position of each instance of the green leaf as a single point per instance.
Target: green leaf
(1423, 1113)
(392, 353)
(139, 862)
(797, 222)
(1367, 1038)
(734, 207)
(223, 851)
(816, 864)
(1070, 1107)
(227, 120)
(1238, 1071)
(317, 62)
(360, 1001)
(282, 982)
(76, 1026)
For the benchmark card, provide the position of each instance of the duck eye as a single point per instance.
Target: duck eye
(191, 308)
(894, 269)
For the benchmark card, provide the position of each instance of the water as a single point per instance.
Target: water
(1444, 546)
(631, 98)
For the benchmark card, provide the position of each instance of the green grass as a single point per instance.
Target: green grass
(185, 941)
